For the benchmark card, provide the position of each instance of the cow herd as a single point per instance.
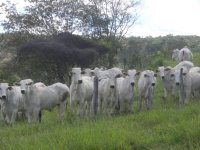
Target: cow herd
(115, 90)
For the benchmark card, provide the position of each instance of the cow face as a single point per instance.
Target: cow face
(3, 90)
(25, 84)
(76, 75)
(131, 74)
(150, 77)
(176, 74)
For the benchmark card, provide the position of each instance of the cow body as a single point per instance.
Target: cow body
(13, 102)
(182, 55)
(81, 92)
(168, 82)
(146, 84)
(126, 90)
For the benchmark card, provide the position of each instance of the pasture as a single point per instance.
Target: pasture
(166, 126)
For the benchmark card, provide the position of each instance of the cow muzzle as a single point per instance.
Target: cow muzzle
(132, 83)
(112, 86)
(4, 97)
(23, 91)
(80, 81)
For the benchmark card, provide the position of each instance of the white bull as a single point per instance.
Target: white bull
(13, 102)
(126, 90)
(108, 90)
(191, 84)
(81, 92)
(167, 80)
(31, 107)
(182, 55)
(146, 84)
(49, 97)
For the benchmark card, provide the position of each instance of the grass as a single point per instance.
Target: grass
(165, 127)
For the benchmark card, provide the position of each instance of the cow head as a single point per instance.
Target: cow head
(25, 84)
(150, 77)
(76, 75)
(3, 90)
(131, 75)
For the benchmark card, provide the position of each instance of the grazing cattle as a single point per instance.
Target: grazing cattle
(146, 84)
(182, 55)
(13, 101)
(81, 92)
(126, 90)
(167, 80)
(108, 90)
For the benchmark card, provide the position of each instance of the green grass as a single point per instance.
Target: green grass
(165, 127)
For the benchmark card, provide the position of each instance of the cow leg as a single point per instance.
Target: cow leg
(165, 93)
(36, 114)
(40, 116)
(62, 108)
(81, 107)
(140, 103)
(187, 96)
(13, 117)
(130, 105)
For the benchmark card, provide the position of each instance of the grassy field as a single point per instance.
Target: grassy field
(165, 127)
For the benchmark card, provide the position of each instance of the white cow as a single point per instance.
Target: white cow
(108, 90)
(146, 84)
(191, 84)
(183, 54)
(167, 80)
(126, 90)
(31, 108)
(175, 72)
(48, 97)
(13, 101)
(81, 92)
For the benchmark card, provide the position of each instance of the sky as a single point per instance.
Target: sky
(161, 17)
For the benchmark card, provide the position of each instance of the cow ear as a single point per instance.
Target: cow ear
(17, 83)
(92, 73)
(118, 76)
(184, 73)
(125, 73)
(138, 73)
(30, 83)
(10, 88)
(82, 72)
(167, 69)
(155, 74)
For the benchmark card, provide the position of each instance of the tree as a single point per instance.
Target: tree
(56, 56)
(109, 20)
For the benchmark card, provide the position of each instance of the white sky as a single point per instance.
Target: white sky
(162, 17)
